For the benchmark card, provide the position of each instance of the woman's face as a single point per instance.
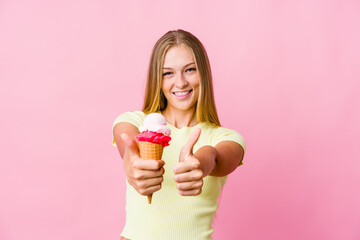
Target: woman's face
(180, 83)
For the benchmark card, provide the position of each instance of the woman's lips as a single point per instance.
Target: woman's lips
(182, 94)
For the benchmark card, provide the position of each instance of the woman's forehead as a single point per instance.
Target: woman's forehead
(178, 56)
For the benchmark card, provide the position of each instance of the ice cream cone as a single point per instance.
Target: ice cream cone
(149, 150)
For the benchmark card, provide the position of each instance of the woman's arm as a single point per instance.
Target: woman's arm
(225, 157)
(144, 175)
(126, 128)
(218, 161)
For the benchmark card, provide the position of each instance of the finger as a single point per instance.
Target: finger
(192, 192)
(145, 174)
(187, 186)
(130, 143)
(148, 164)
(148, 183)
(150, 190)
(194, 175)
(187, 149)
(186, 166)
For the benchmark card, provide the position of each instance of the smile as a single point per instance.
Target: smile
(182, 94)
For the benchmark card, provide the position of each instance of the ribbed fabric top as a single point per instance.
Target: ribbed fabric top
(170, 215)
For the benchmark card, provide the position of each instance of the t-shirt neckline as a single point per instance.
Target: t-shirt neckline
(184, 127)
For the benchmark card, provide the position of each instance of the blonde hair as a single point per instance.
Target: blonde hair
(154, 97)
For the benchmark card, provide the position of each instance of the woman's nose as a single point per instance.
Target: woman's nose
(181, 81)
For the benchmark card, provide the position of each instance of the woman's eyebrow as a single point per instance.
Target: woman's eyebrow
(183, 67)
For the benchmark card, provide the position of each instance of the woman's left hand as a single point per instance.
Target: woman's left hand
(188, 172)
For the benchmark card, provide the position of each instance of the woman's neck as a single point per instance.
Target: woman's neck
(180, 119)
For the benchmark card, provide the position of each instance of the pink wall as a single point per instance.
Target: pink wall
(286, 76)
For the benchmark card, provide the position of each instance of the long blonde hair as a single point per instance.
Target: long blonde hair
(154, 97)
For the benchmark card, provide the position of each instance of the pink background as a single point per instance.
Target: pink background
(286, 76)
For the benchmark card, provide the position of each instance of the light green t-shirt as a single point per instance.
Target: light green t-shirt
(170, 215)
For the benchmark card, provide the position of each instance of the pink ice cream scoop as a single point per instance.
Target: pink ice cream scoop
(155, 130)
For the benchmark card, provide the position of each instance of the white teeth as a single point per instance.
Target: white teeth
(181, 93)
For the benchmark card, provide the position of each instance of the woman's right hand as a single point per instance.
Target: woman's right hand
(145, 175)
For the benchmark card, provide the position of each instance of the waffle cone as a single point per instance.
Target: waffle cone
(149, 150)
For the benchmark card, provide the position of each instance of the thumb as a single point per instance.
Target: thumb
(187, 149)
(130, 144)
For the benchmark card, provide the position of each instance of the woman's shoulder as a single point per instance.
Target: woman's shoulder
(134, 117)
(213, 128)
(135, 114)
(218, 134)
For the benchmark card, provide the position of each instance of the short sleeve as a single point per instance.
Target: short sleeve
(135, 118)
(225, 134)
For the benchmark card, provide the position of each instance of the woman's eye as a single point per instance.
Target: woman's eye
(190, 69)
(167, 74)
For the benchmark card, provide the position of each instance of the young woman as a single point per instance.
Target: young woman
(188, 181)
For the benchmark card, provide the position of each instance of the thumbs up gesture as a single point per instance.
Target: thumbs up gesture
(145, 176)
(188, 172)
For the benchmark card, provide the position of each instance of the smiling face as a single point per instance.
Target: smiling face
(180, 83)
